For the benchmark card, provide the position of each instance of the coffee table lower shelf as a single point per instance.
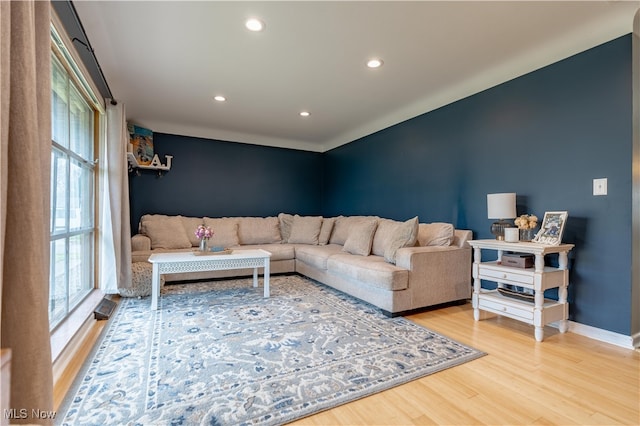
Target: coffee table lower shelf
(185, 262)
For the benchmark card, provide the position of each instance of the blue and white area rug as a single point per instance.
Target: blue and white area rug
(218, 353)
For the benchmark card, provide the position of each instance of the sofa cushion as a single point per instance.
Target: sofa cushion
(373, 270)
(361, 237)
(278, 251)
(286, 220)
(392, 235)
(167, 233)
(225, 231)
(190, 225)
(258, 230)
(435, 234)
(305, 230)
(317, 256)
(325, 230)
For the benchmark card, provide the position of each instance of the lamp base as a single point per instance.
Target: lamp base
(497, 228)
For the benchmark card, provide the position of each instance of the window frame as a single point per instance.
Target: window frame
(75, 73)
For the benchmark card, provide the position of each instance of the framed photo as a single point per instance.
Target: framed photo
(550, 232)
(141, 140)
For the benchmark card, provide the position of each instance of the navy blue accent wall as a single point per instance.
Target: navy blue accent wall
(413, 168)
(546, 136)
(214, 178)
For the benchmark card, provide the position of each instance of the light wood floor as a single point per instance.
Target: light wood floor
(567, 379)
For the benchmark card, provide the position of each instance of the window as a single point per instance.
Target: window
(72, 196)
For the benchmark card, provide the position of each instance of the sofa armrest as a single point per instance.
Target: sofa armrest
(411, 257)
(437, 274)
(140, 242)
(460, 237)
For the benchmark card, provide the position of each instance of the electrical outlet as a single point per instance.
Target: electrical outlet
(600, 186)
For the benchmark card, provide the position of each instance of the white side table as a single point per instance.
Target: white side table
(540, 278)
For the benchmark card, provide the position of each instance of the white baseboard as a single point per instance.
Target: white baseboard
(627, 342)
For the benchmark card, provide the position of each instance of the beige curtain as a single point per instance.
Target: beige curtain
(115, 256)
(26, 156)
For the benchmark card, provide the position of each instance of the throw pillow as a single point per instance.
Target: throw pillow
(225, 231)
(392, 235)
(342, 227)
(405, 236)
(325, 230)
(435, 234)
(167, 234)
(361, 237)
(305, 230)
(340, 230)
(286, 220)
(385, 231)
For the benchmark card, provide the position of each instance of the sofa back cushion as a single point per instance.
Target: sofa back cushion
(392, 235)
(167, 233)
(190, 225)
(286, 222)
(360, 237)
(259, 230)
(225, 231)
(305, 230)
(146, 218)
(435, 234)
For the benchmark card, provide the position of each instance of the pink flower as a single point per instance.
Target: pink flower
(204, 232)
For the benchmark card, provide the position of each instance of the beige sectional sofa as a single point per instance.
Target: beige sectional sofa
(396, 266)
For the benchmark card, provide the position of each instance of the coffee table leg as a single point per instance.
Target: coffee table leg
(267, 265)
(255, 277)
(155, 287)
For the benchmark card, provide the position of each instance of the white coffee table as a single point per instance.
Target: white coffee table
(184, 262)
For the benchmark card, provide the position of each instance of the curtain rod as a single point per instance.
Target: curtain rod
(87, 46)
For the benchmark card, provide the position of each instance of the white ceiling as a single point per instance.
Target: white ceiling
(166, 60)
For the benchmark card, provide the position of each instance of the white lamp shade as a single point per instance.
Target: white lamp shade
(501, 206)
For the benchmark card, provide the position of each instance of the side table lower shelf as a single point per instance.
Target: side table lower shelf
(493, 302)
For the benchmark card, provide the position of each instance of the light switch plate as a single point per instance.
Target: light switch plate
(600, 186)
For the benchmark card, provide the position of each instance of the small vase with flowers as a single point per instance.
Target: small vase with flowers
(526, 224)
(204, 233)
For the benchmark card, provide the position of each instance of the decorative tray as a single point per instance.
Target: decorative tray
(209, 252)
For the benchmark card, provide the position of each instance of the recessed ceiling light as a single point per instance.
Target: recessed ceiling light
(254, 24)
(220, 98)
(305, 113)
(374, 63)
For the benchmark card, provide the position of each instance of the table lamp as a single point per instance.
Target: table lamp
(501, 206)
